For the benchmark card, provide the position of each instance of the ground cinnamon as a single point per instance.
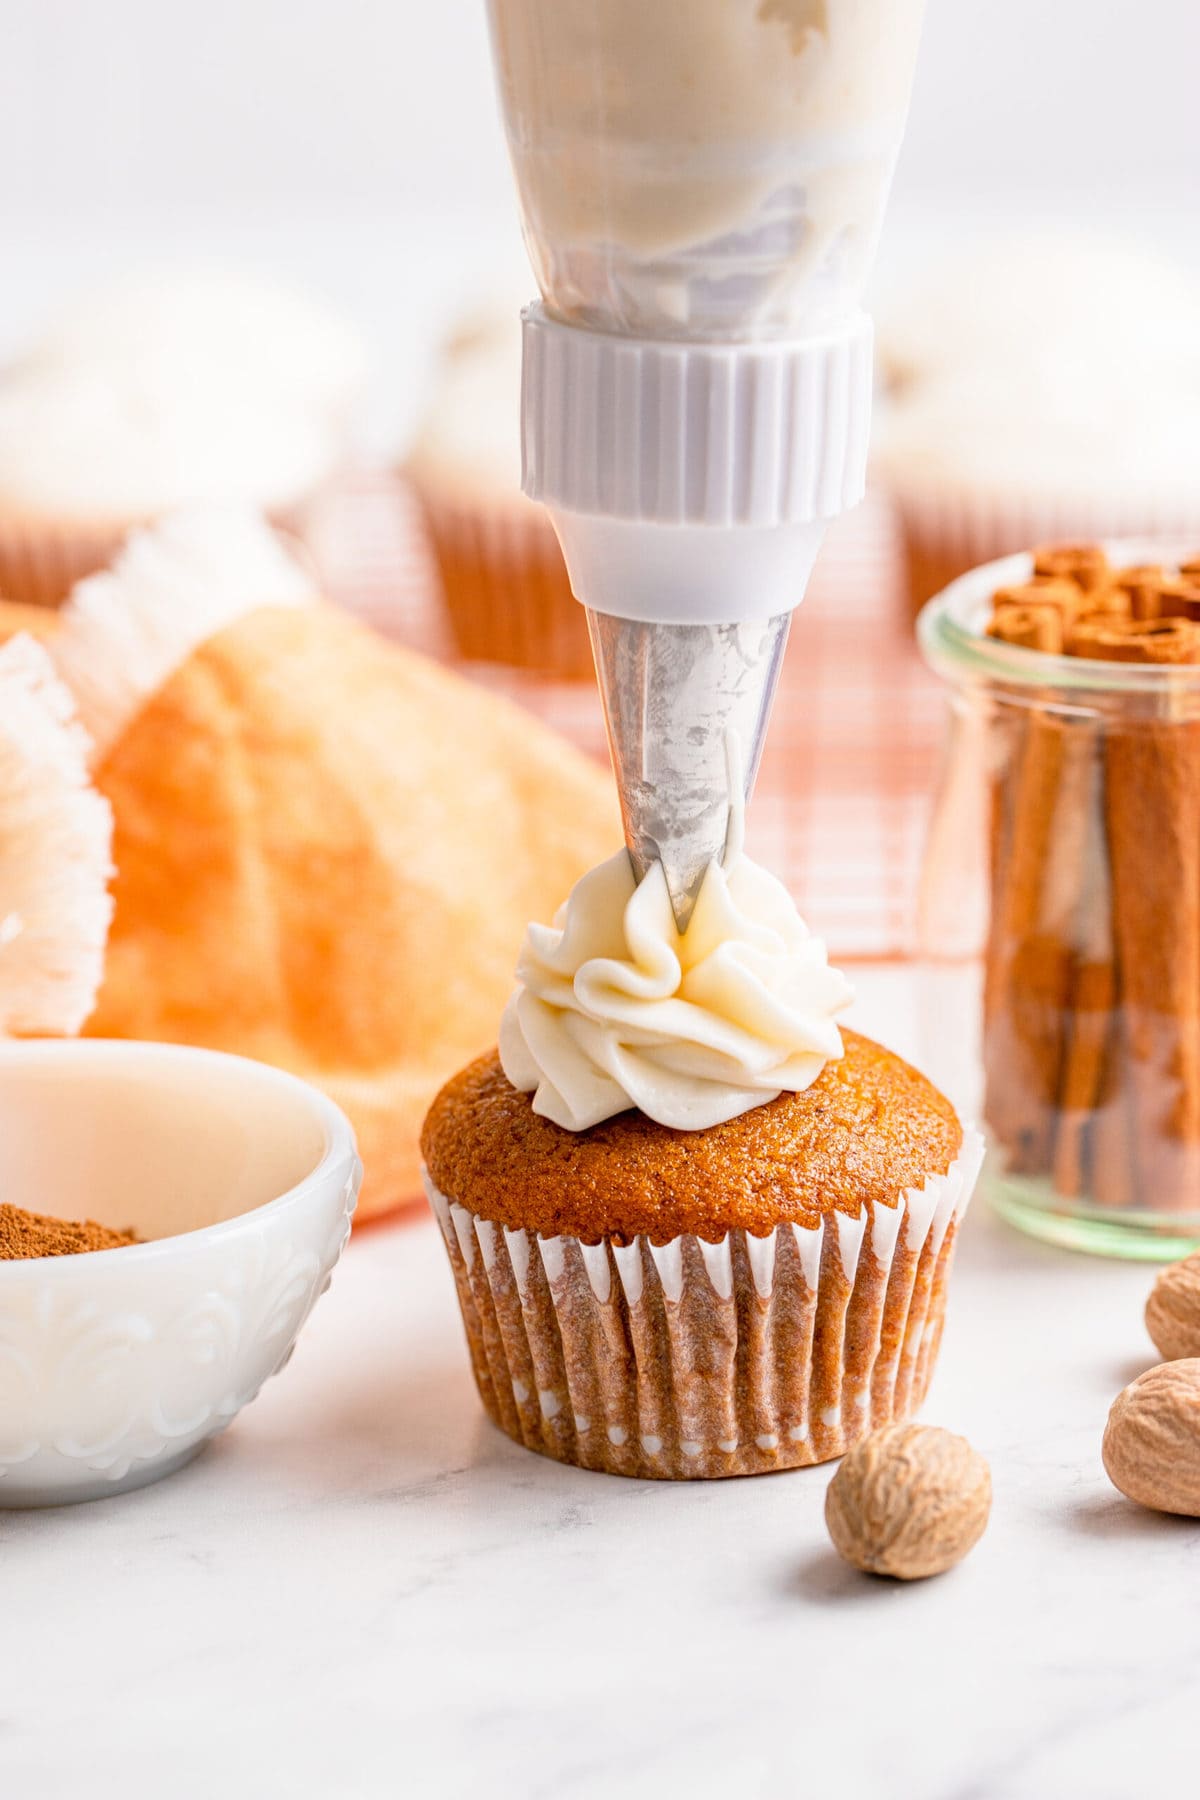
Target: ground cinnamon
(1092, 993)
(26, 1234)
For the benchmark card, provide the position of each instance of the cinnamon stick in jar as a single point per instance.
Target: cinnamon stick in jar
(1179, 597)
(1028, 977)
(1153, 829)
(1033, 627)
(1085, 565)
(1140, 587)
(1088, 1098)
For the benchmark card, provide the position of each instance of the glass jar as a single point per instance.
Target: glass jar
(1064, 867)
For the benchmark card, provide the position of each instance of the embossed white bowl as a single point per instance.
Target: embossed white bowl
(116, 1366)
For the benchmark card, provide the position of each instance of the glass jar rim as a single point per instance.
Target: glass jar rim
(950, 632)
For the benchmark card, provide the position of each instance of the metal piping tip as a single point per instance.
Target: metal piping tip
(675, 698)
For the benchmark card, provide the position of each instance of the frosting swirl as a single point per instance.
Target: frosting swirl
(616, 1009)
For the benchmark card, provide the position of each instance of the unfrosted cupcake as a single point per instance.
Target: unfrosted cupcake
(165, 392)
(693, 1232)
(505, 584)
(1043, 390)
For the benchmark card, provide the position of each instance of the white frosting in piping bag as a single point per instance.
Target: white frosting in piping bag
(616, 1009)
(713, 166)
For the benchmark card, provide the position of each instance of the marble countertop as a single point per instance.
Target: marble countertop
(364, 1590)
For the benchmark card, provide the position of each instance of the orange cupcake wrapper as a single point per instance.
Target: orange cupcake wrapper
(41, 560)
(506, 588)
(691, 1360)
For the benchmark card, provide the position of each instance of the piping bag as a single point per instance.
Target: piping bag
(702, 185)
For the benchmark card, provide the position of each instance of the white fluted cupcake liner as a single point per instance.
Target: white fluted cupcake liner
(696, 1360)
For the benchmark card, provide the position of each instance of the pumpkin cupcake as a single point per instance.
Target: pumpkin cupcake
(694, 1231)
(1043, 388)
(507, 595)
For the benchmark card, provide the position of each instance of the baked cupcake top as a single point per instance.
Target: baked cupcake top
(867, 1129)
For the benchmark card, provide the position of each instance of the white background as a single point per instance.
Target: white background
(262, 106)
(354, 143)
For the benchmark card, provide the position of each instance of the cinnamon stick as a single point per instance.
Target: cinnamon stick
(1141, 586)
(1036, 803)
(1156, 641)
(1154, 836)
(1087, 565)
(1179, 597)
(1087, 1067)
(1033, 627)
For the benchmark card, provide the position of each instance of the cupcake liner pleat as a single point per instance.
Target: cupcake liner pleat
(693, 1359)
(41, 560)
(505, 584)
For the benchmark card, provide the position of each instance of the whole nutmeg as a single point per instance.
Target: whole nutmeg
(1173, 1310)
(1152, 1440)
(909, 1501)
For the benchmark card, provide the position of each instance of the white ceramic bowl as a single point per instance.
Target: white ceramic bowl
(116, 1366)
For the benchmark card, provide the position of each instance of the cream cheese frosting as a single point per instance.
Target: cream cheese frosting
(127, 440)
(245, 330)
(471, 436)
(616, 1009)
(1047, 369)
(704, 163)
(177, 388)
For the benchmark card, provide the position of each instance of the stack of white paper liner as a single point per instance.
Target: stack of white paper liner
(55, 852)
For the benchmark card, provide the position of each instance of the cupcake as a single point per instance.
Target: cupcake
(694, 1231)
(502, 573)
(1045, 389)
(286, 347)
(164, 393)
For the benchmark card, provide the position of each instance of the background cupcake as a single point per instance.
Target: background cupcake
(502, 572)
(167, 390)
(1043, 389)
